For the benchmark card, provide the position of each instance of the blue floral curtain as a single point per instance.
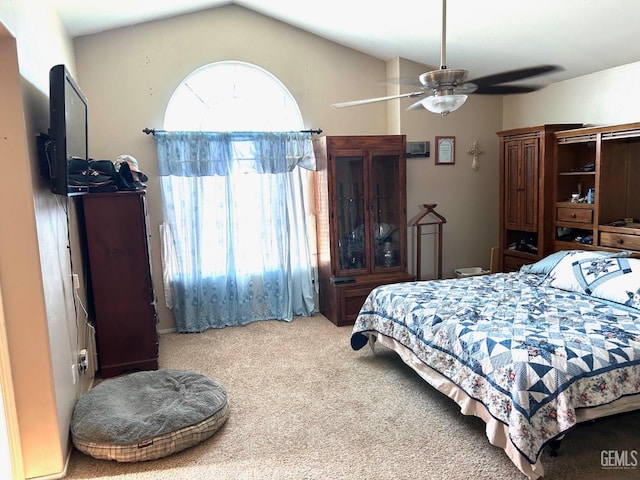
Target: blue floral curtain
(235, 226)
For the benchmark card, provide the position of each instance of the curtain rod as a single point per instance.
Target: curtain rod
(153, 131)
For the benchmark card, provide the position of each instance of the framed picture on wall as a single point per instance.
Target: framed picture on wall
(445, 150)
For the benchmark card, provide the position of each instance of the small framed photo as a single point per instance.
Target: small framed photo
(445, 150)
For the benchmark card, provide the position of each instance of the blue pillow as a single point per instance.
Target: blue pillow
(547, 264)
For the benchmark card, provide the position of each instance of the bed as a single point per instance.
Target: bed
(532, 352)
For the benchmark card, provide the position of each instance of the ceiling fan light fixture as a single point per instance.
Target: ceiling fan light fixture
(447, 88)
(443, 104)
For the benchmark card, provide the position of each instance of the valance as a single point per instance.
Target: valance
(197, 154)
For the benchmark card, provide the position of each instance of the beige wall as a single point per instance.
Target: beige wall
(602, 98)
(20, 278)
(129, 92)
(35, 267)
(467, 198)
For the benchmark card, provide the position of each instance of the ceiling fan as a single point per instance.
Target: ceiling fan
(445, 90)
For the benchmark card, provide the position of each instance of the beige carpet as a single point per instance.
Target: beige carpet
(304, 405)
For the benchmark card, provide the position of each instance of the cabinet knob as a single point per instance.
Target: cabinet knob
(619, 241)
(573, 215)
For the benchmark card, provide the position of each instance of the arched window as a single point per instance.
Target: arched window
(237, 243)
(232, 96)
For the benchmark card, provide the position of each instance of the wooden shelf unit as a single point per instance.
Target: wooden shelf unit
(614, 152)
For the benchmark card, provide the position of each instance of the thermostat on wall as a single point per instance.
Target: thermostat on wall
(417, 149)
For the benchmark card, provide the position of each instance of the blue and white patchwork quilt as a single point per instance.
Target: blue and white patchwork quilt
(531, 353)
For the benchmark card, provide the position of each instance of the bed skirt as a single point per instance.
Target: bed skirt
(496, 431)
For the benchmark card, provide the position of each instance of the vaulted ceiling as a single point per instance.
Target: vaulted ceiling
(482, 36)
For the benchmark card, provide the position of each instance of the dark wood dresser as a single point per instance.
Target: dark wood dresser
(120, 284)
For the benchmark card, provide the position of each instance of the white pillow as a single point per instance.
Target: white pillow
(616, 279)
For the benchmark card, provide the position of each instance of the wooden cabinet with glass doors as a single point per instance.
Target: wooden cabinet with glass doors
(361, 220)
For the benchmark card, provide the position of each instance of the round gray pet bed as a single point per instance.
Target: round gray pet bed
(148, 415)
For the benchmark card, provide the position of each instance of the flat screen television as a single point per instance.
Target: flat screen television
(67, 139)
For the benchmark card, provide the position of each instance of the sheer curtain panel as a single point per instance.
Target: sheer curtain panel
(235, 233)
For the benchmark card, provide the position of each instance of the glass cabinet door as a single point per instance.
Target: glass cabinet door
(386, 211)
(350, 212)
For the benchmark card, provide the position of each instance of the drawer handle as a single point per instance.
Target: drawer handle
(573, 215)
(619, 241)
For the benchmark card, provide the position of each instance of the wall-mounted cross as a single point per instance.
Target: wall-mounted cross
(475, 151)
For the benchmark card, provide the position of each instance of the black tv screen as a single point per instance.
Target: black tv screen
(68, 125)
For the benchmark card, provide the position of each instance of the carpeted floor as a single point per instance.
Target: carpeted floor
(304, 405)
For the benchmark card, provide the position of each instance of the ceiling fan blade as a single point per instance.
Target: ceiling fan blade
(377, 99)
(406, 81)
(513, 75)
(505, 89)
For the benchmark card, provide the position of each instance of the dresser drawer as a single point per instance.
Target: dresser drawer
(574, 215)
(620, 240)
